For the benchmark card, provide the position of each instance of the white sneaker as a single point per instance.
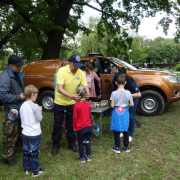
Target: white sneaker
(26, 172)
(121, 135)
(130, 138)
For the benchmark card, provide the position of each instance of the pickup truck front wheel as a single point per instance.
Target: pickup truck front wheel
(151, 103)
(46, 100)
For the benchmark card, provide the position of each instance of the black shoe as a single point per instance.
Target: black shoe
(138, 124)
(72, 144)
(55, 147)
(10, 162)
(73, 148)
(40, 172)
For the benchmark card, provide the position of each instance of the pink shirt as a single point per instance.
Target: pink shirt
(90, 80)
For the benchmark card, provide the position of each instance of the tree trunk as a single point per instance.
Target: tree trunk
(51, 49)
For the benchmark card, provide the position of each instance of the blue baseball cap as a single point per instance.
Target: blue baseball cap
(75, 58)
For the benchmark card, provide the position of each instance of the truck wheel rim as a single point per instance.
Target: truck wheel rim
(48, 102)
(150, 104)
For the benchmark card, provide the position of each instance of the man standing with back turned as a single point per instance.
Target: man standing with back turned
(68, 80)
(11, 95)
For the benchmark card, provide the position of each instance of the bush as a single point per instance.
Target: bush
(166, 68)
(177, 68)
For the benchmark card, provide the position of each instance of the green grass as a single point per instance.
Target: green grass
(155, 153)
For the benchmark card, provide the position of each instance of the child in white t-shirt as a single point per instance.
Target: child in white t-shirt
(31, 115)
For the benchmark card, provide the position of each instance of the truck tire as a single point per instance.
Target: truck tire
(151, 103)
(46, 100)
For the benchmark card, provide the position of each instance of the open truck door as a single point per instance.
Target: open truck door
(106, 82)
(106, 86)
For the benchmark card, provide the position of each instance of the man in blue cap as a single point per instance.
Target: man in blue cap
(69, 78)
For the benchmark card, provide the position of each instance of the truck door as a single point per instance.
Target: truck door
(106, 82)
(106, 85)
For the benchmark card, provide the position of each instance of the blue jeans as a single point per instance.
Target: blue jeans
(58, 120)
(84, 136)
(31, 146)
(133, 120)
(105, 113)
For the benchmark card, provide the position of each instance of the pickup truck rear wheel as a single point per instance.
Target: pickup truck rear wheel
(151, 103)
(46, 100)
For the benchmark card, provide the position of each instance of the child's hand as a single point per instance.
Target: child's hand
(74, 130)
(40, 107)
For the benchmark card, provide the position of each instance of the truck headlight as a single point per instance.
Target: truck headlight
(172, 79)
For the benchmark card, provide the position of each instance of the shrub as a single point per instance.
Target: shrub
(177, 68)
(166, 68)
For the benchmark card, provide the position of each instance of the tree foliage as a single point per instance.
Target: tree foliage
(139, 53)
(4, 58)
(34, 27)
(108, 42)
(159, 50)
(164, 50)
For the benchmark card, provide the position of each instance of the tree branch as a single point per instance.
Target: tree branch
(42, 44)
(4, 40)
(86, 4)
(103, 12)
(50, 3)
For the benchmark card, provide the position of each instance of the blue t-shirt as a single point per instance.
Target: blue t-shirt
(114, 86)
(55, 77)
(132, 87)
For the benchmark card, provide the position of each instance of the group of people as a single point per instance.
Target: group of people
(73, 88)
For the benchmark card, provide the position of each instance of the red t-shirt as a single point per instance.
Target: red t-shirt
(81, 115)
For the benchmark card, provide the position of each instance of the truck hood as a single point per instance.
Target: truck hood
(156, 71)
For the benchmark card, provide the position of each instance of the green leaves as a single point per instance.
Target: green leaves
(48, 22)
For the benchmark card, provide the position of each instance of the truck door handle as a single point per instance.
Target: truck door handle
(107, 80)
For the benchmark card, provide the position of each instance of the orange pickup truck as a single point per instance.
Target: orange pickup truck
(158, 87)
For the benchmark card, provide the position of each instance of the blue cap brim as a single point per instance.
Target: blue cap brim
(77, 64)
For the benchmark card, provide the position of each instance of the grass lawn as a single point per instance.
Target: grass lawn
(155, 153)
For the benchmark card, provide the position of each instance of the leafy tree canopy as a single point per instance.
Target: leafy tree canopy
(110, 43)
(38, 26)
(159, 50)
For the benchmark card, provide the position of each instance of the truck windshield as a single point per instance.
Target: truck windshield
(123, 63)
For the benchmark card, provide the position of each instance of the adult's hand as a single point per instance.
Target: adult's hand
(76, 97)
(22, 96)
